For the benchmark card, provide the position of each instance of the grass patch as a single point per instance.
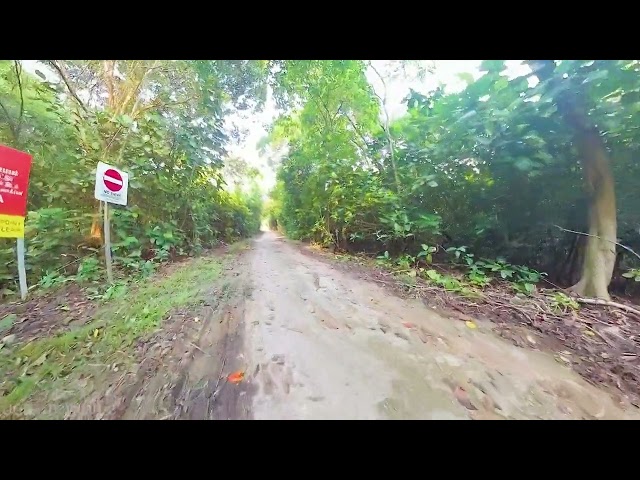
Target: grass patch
(239, 246)
(134, 312)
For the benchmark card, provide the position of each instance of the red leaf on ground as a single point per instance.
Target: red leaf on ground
(236, 377)
(408, 324)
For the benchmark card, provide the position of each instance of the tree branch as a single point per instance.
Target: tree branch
(18, 68)
(355, 128)
(321, 103)
(600, 238)
(9, 121)
(159, 105)
(385, 127)
(597, 301)
(63, 76)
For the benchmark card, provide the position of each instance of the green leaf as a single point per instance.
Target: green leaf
(432, 274)
(501, 84)
(126, 120)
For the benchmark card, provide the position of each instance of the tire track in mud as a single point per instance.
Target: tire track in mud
(191, 383)
(202, 391)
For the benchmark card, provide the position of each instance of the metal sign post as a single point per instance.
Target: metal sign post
(22, 271)
(111, 187)
(107, 243)
(15, 167)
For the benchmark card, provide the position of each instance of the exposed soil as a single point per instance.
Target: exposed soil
(47, 315)
(312, 340)
(183, 368)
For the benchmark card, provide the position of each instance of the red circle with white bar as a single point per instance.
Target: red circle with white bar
(112, 180)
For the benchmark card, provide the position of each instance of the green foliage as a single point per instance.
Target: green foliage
(89, 270)
(427, 253)
(162, 122)
(633, 274)
(384, 258)
(563, 303)
(34, 366)
(490, 169)
(53, 279)
(449, 283)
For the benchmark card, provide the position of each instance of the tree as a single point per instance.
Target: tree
(494, 167)
(161, 121)
(600, 252)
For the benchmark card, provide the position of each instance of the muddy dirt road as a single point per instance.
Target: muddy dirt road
(316, 342)
(320, 344)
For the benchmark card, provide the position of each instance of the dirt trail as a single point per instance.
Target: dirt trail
(320, 344)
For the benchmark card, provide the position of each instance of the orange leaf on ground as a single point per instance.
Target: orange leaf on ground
(408, 324)
(236, 377)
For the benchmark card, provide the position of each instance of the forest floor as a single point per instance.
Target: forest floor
(272, 329)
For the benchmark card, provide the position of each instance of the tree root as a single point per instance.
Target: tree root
(597, 301)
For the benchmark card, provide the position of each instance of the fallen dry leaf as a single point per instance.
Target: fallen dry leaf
(236, 377)
(463, 398)
(470, 324)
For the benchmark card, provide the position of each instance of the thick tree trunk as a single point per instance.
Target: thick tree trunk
(600, 252)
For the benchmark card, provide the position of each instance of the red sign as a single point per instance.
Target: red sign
(15, 167)
(112, 180)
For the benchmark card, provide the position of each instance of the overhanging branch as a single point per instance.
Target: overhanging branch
(596, 236)
(64, 78)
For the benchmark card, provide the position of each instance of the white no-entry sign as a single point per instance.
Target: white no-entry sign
(111, 184)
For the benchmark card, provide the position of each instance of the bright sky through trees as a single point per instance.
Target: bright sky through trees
(446, 72)
(254, 125)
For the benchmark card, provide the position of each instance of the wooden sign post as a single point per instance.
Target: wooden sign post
(15, 167)
(111, 187)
